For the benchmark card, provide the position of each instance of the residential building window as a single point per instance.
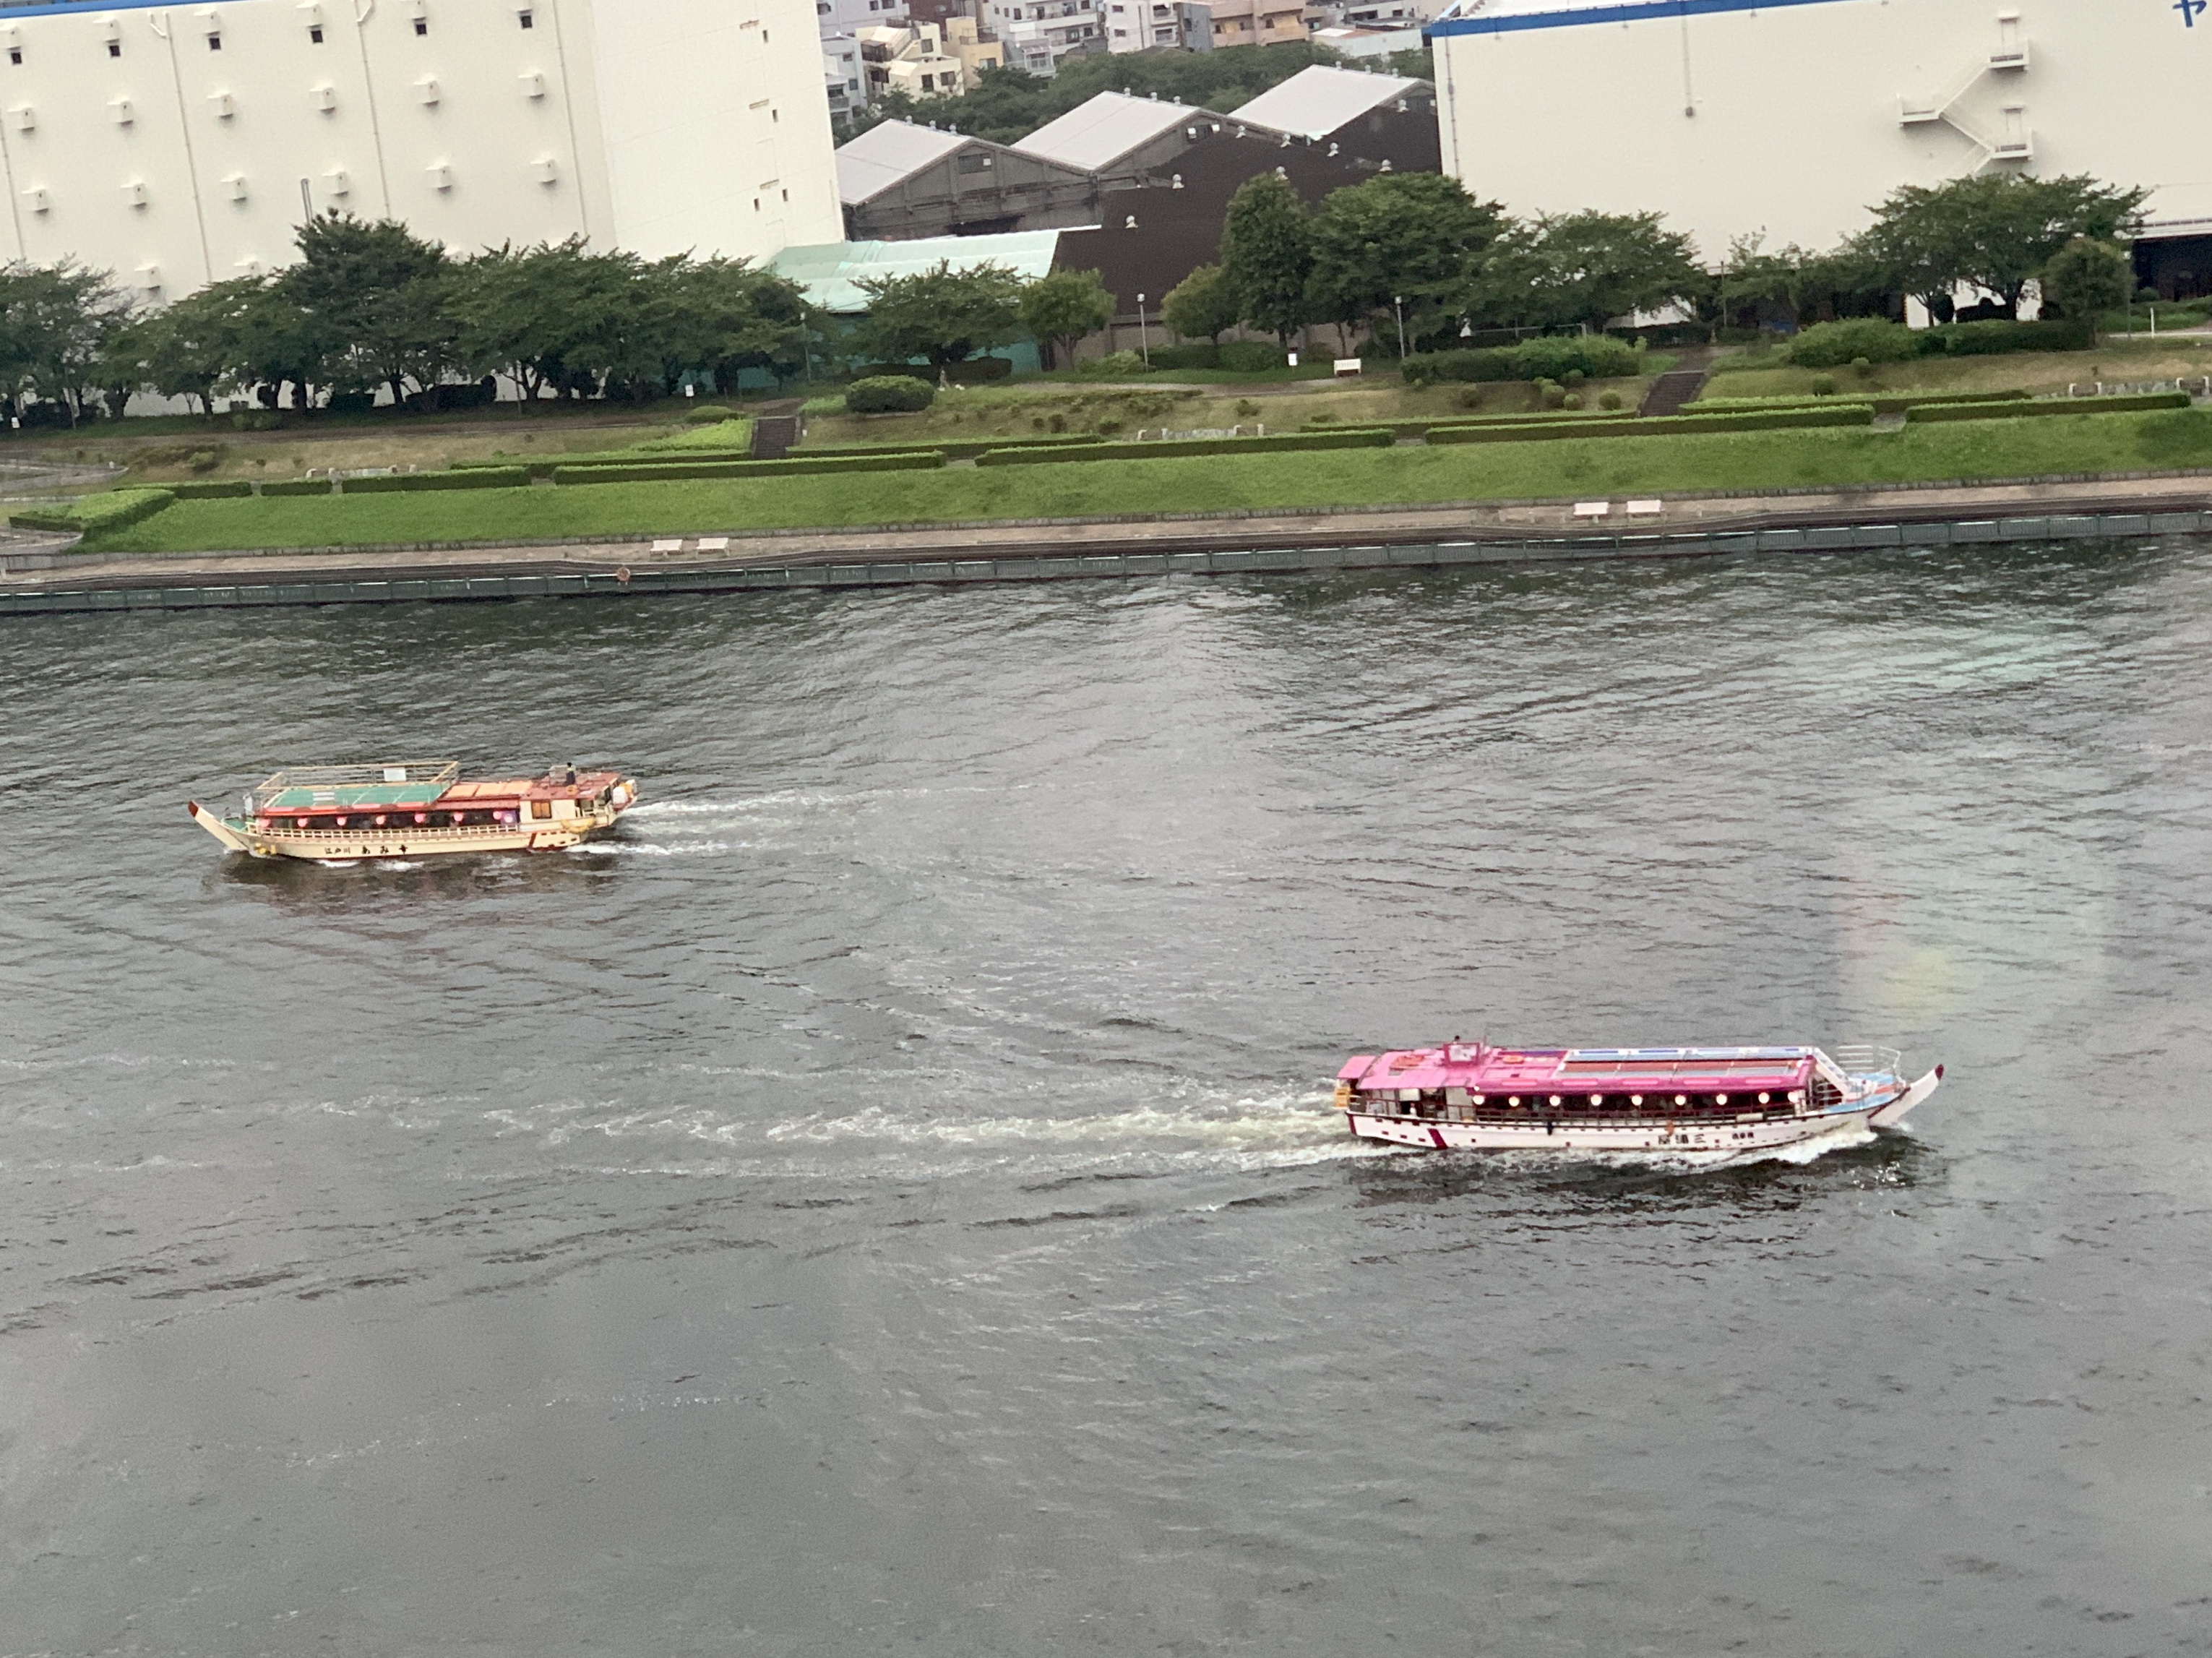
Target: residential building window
(115, 48)
(15, 54)
(527, 20)
(421, 26)
(315, 34)
(215, 43)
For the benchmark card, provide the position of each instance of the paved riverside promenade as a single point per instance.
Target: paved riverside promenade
(47, 577)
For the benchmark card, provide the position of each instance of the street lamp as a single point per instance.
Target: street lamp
(1398, 304)
(1144, 341)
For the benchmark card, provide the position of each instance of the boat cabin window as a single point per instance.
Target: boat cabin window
(541, 808)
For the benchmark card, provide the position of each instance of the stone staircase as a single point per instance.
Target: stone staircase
(1671, 392)
(773, 435)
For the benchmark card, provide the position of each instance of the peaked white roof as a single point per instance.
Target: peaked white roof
(1102, 130)
(1319, 99)
(885, 155)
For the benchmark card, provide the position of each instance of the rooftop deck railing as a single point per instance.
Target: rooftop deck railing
(1865, 1060)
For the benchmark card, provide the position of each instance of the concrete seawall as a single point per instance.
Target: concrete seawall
(2044, 512)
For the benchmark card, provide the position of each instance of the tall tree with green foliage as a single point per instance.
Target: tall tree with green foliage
(944, 315)
(1995, 232)
(1266, 255)
(2086, 278)
(380, 291)
(55, 322)
(189, 348)
(1418, 237)
(1202, 305)
(1062, 306)
(1587, 267)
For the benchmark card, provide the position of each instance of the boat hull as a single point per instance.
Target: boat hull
(1729, 1136)
(337, 847)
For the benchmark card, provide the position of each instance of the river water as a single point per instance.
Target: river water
(885, 1201)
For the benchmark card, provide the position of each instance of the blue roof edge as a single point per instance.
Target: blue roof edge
(1628, 11)
(77, 7)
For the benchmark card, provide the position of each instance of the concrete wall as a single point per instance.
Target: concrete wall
(129, 140)
(1735, 116)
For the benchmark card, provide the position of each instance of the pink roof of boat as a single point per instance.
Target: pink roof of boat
(1486, 1069)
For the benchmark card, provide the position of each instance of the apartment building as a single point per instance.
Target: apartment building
(1252, 22)
(180, 146)
(1037, 34)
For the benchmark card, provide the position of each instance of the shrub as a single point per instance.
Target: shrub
(1115, 365)
(1593, 357)
(1379, 437)
(1106, 428)
(474, 477)
(1204, 355)
(889, 460)
(1833, 345)
(1609, 400)
(1855, 414)
(2136, 404)
(1999, 338)
(1572, 400)
(700, 413)
(889, 394)
(1250, 357)
(112, 510)
(297, 487)
(220, 490)
(1864, 365)
(254, 420)
(1247, 407)
(1824, 386)
(203, 461)
(1550, 394)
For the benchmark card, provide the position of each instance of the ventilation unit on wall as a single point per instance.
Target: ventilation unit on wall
(338, 182)
(149, 277)
(121, 110)
(426, 90)
(325, 97)
(233, 184)
(23, 118)
(533, 83)
(442, 176)
(38, 199)
(545, 170)
(225, 105)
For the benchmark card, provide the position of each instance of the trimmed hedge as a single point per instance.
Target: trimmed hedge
(889, 394)
(213, 491)
(2138, 404)
(1657, 426)
(479, 477)
(907, 460)
(1882, 405)
(1999, 338)
(1250, 357)
(1835, 344)
(297, 487)
(950, 448)
(1375, 437)
(111, 511)
(1550, 357)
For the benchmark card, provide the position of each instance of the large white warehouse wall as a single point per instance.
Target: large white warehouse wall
(1791, 116)
(182, 144)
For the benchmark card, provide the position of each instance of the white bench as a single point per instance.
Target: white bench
(675, 546)
(1646, 508)
(1588, 509)
(713, 543)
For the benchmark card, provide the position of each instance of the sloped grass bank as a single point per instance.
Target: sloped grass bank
(1405, 476)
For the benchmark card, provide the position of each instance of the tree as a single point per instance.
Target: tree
(1061, 307)
(1266, 255)
(733, 318)
(2086, 278)
(1412, 236)
(1203, 305)
(55, 323)
(1587, 267)
(379, 290)
(941, 314)
(1994, 233)
(186, 349)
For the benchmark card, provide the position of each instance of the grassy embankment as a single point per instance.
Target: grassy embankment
(1404, 476)
(1764, 374)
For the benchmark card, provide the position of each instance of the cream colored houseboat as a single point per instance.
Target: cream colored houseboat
(416, 809)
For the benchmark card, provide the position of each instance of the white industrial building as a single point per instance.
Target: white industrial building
(1795, 117)
(183, 144)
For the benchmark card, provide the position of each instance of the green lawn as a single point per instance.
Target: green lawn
(1407, 476)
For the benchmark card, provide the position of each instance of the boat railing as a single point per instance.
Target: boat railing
(441, 773)
(1865, 1059)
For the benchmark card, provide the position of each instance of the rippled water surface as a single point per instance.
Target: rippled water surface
(885, 1201)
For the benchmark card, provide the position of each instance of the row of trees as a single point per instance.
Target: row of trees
(371, 305)
(1417, 246)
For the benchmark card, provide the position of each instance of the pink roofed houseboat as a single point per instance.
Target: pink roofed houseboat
(416, 808)
(1472, 1096)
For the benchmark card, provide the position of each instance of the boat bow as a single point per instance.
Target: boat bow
(217, 827)
(1895, 1111)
